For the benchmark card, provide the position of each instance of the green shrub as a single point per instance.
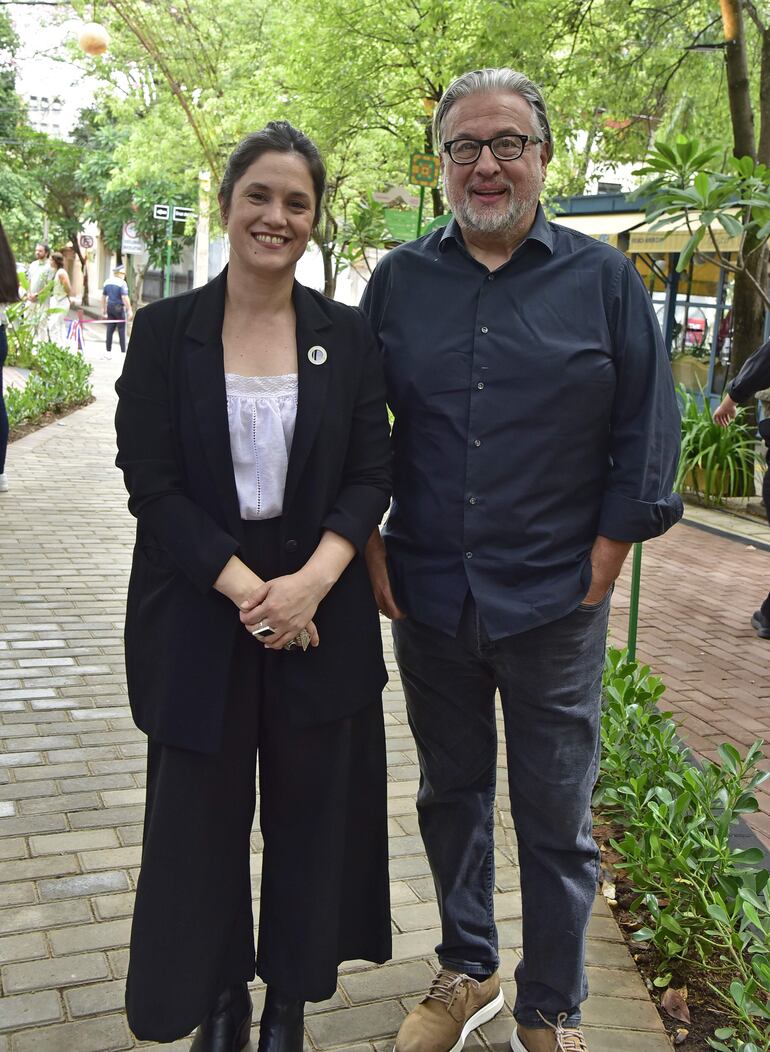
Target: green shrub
(58, 380)
(700, 901)
(715, 462)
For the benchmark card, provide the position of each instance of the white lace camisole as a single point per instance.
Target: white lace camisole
(261, 414)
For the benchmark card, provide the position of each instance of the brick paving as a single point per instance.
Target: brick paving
(698, 593)
(71, 787)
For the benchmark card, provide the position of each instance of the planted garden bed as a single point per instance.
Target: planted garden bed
(696, 909)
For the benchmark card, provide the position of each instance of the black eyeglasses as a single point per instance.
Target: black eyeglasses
(503, 147)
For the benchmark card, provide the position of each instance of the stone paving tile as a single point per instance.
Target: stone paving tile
(700, 640)
(72, 772)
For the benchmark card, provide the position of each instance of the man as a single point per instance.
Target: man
(754, 376)
(39, 284)
(116, 307)
(535, 438)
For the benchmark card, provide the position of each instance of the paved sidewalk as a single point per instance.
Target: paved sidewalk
(699, 590)
(71, 777)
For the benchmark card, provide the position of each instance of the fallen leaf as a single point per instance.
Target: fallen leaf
(676, 1006)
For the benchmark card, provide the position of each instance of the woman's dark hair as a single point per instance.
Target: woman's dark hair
(9, 277)
(275, 137)
(58, 259)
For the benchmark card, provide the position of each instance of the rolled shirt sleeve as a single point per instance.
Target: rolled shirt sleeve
(754, 375)
(638, 501)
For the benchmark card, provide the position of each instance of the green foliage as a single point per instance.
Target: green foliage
(59, 379)
(715, 462)
(684, 189)
(9, 101)
(366, 228)
(701, 900)
(112, 200)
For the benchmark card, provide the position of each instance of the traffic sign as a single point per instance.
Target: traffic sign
(181, 215)
(424, 169)
(131, 244)
(86, 241)
(160, 212)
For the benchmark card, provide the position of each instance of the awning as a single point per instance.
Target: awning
(611, 227)
(673, 238)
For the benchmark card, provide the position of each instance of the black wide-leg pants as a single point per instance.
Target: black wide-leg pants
(323, 818)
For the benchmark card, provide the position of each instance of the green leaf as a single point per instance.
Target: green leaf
(728, 753)
(718, 913)
(748, 856)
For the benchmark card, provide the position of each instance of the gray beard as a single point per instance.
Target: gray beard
(492, 222)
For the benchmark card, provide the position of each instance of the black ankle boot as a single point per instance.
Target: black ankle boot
(282, 1026)
(226, 1027)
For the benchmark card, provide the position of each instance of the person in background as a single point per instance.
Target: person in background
(38, 289)
(253, 436)
(9, 293)
(754, 376)
(116, 307)
(59, 302)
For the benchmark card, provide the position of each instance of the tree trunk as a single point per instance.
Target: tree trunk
(763, 150)
(83, 264)
(435, 194)
(738, 86)
(330, 278)
(748, 309)
(748, 312)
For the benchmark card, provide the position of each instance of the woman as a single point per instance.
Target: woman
(253, 437)
(59, 301)
(9, 293)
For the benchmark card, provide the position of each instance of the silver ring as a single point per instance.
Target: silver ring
(262, 631)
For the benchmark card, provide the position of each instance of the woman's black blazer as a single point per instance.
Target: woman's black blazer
(174, 451)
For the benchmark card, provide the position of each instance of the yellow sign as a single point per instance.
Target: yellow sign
(424, 169)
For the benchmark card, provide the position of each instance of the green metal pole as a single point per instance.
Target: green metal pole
(633, 613)
(419, 210)
(169, 236)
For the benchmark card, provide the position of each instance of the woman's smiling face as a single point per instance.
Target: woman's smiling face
(270, 216)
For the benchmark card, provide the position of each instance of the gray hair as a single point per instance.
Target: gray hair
(481, 81)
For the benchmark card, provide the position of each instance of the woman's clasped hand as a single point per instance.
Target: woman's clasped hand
(287, 604)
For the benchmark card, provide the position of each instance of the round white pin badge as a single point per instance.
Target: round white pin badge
(317, 355)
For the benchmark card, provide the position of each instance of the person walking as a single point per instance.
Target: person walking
(254, 441)
(59, 301)
(535, 439)
(39, 288)
(9, 293)
(753, 376)
(116, 307)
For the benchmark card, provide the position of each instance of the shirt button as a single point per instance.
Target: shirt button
(477, 442)
(484, 329)
(491, 277)
(291, 546)
(472, 500)
(469, 555)
(480, 386)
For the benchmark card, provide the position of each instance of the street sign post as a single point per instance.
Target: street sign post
(172, 214)
(424, 170)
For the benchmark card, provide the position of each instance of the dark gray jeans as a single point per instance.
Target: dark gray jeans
(550, 684)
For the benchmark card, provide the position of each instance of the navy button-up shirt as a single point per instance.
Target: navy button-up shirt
(534, 409)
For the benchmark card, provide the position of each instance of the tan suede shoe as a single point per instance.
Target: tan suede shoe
(455, 1005)
(548, 1038)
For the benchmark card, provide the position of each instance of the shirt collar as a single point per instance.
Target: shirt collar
(539, 231)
